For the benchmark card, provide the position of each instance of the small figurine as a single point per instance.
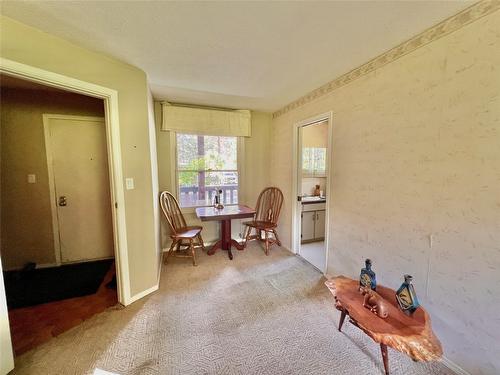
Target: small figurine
(367, 276)
(406, 296)
(218, 200)
(375, 303)
(317, 191)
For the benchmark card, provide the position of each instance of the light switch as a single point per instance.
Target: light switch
(31, 179)
(129, 183)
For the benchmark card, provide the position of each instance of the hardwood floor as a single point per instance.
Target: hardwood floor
(32, 326)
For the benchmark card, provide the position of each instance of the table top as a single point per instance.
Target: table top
(412, 335)
(238, 211)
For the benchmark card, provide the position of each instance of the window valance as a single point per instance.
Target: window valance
(204, 121)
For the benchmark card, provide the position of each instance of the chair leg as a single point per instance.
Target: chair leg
(193, 253)
(248, 231)
(201, 241)
(267, 241)
(170, 250)
(276, 236)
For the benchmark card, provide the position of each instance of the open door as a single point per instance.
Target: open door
(6, 354)
(311, 188)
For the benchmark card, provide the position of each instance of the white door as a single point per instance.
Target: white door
(6, 354)
(78, 154)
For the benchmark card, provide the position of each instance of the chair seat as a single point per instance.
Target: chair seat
(260, 224)
(188, 232)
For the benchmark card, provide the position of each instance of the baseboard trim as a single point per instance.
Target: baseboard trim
(142, 294)
(452, 366)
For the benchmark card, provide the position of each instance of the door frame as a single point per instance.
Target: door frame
(296, 162)
(110, 99)
(50, 168)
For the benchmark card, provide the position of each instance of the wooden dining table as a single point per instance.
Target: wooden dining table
(225, 215)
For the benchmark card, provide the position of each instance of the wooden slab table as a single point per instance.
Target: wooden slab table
(411, 335)
(225, 215)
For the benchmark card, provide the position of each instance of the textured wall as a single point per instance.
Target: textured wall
(416, 182)
(26, 215)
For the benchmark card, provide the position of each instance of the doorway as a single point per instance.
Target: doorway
(57, 244)
(312, 146)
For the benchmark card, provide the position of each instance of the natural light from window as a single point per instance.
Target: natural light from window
(205, 164)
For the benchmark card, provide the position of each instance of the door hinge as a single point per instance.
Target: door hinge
(116, 204)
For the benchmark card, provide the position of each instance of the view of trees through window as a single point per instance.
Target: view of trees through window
(313, 161)
(204, 165)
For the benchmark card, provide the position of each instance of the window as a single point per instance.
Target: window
(205, 164)
(314, 161)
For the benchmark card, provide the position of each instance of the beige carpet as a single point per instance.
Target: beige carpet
(252, 315)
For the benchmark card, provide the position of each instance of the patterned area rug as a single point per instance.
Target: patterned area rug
(252, 315)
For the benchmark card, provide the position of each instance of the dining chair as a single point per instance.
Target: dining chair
(265, 221)
(182, 235)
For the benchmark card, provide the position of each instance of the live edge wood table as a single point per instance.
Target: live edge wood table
(411, 335)
(225, 215)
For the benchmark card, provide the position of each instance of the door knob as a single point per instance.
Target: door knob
(62, 201)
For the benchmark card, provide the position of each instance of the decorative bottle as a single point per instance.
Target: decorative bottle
(218, 199)
(406, 296)
(367, 276)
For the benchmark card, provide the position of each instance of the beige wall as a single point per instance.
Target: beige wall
(315, 135)
(255, 174)
(33, 47)
(26, 214)
(416, 183)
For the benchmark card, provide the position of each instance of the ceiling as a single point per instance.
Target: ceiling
(254, 55)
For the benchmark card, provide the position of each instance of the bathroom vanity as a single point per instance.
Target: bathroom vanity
(313, 219)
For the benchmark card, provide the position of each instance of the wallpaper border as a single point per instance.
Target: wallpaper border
(449, 25)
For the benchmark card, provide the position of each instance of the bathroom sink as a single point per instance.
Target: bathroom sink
(313, 199)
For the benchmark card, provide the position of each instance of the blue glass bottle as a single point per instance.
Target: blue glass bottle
(406, 296)
(367, 276)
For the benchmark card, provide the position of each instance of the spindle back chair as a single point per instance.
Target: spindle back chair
(181, 234)
(267, 213)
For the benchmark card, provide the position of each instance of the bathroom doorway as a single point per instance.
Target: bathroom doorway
(312, 192)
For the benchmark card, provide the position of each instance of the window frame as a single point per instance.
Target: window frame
(174, 175)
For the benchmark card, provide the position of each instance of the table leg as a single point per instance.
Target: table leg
(342, 318)
(385, 357)
(226, 237)
(225, 241)
(237, 245)
(213, 249)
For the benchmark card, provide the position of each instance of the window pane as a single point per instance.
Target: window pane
(187, 151)
(319, 159)
(206, 152)
(307, 166)
(206, 164)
